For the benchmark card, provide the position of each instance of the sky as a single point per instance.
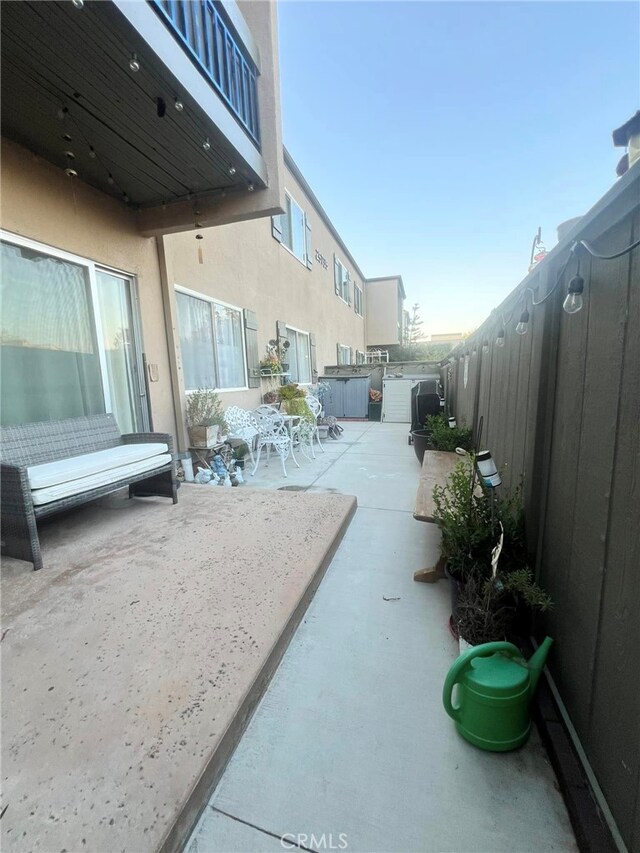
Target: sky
(439, 136)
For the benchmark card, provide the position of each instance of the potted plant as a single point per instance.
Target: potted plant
(293, 400)
(239, 453)
(270, 365)
(487, 608)
(205, 417)
(493, 592)
(438, 435)
(270, 398)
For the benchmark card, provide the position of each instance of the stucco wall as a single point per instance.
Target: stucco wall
(382, 314)
(245, 266)
(40, 202)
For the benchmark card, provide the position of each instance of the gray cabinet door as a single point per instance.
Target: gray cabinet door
(347, 397)
(356, 397)
(334, 398)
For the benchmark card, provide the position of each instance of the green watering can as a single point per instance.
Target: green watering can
(495, 686)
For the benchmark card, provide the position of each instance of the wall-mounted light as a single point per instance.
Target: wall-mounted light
(523, 324)
(485, 347)
(487, 469)
(573, 300)
(452, 423)
(134, 65)
(500, 338)
(178, 105)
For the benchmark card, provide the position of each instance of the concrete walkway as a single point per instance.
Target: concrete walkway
(350, 743)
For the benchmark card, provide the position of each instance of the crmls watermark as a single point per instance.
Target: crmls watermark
(324, 841)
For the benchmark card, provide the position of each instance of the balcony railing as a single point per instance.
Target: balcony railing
(208, 40)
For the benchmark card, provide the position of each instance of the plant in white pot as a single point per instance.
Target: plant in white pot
(205, 417)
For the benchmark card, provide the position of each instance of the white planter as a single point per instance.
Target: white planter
(187, 467)
(463, 645)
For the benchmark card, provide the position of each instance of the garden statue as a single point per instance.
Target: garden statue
(219, 467)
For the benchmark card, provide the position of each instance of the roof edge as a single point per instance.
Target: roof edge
(300, 178)
(389, 278)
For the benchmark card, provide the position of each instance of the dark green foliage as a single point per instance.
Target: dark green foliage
(487, 605)
(442, 437)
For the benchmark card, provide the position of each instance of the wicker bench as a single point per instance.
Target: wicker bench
(56, 465)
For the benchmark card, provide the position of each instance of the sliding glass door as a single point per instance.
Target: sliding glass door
(68, 339)
(118, 339)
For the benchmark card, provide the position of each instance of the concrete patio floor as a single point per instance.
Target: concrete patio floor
(350, 743)
(131, 662)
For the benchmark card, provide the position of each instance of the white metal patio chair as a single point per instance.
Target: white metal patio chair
(316, 410)
(242, 425)
(272, 434)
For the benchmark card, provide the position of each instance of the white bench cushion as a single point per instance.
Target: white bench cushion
(76, 467)
(102, 478)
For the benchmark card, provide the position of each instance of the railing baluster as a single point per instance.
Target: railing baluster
(211, 46)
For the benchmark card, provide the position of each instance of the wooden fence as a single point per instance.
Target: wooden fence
(560, 410)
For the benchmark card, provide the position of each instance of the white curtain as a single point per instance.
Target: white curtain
(49, 363)
(229, 349)
(196, 342)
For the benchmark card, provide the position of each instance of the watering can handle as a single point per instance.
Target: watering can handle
(463, 662)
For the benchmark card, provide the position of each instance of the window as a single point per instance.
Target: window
(344, 354)
(341, 280)
(292, 229)
(69, 339)
(299, 355)
(358, 300)
(360, 359)
(211, 343)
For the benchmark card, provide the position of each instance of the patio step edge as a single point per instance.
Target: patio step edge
(197, 800)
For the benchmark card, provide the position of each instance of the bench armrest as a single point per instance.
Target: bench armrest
(14, 485)
(148, 438)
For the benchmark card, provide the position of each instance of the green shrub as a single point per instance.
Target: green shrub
(442, 437)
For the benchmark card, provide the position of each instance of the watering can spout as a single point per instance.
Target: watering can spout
(537, 662)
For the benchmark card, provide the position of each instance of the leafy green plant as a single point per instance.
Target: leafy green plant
(271, 364)
(469, 528)
(240, 451)
(442, 437)
(298, 406)
(464, 518)
(204, 409)
(487, 608)
(292, 391)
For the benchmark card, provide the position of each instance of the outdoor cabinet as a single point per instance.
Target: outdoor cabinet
(347, 397)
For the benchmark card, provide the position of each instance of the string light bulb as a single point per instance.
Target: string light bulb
(573, 300)
(92, 152)
(232, 170)
(79, 4)
(178, 105)
(500, 338)
(206, 144)
(134, 65)
(251, 188)
(523, 324)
